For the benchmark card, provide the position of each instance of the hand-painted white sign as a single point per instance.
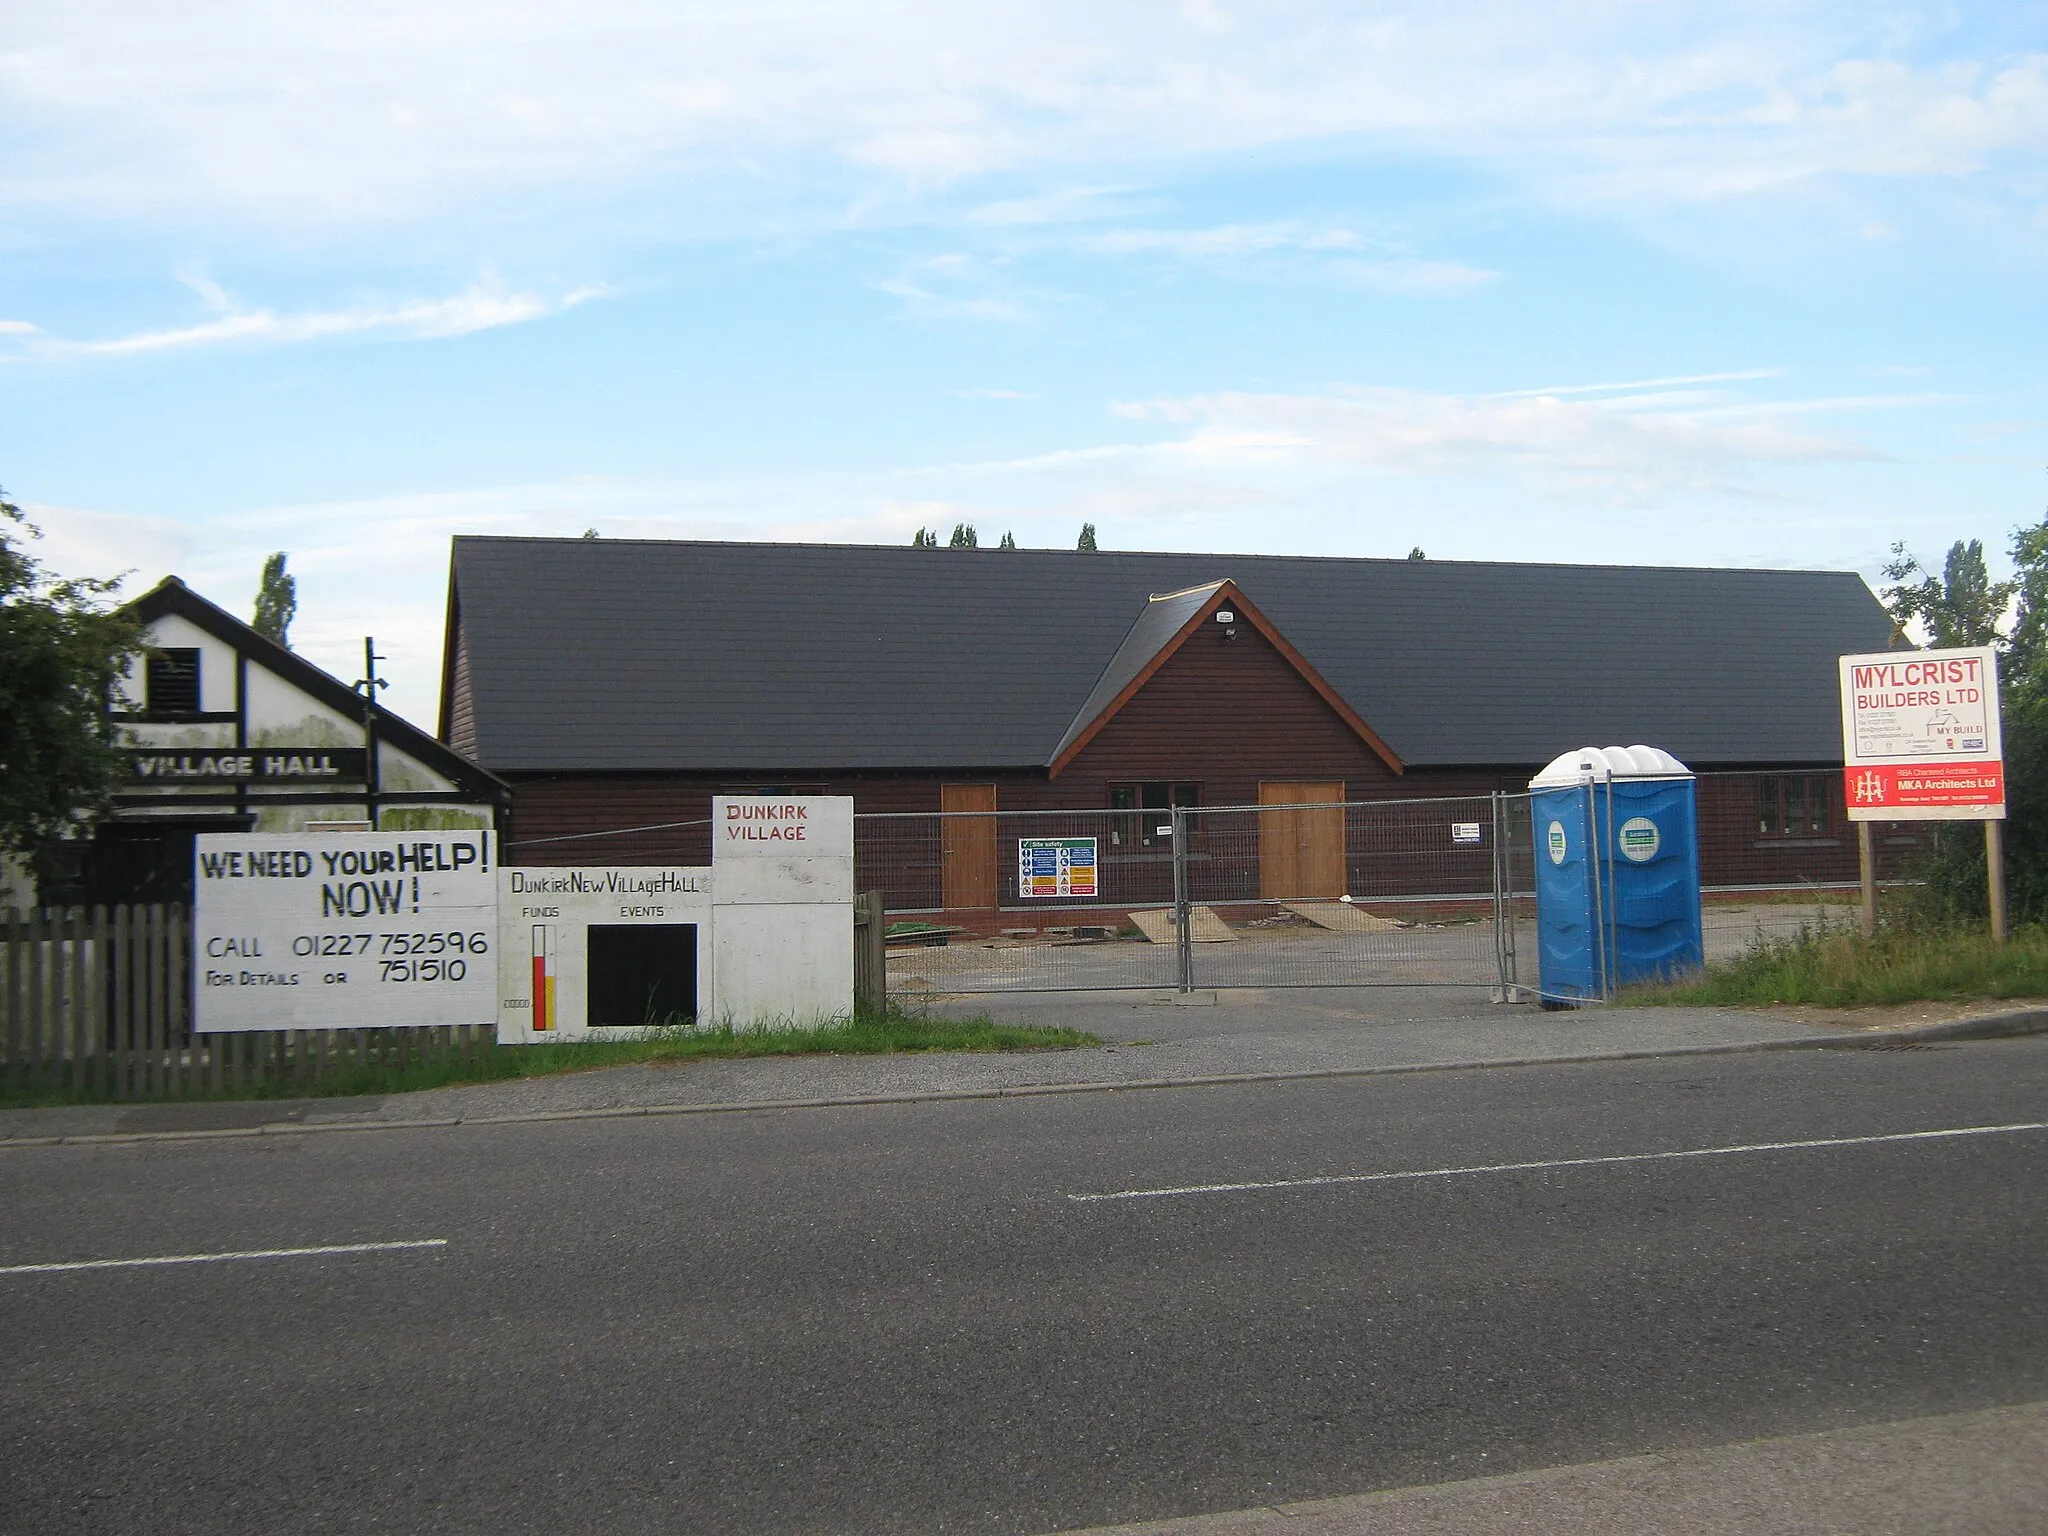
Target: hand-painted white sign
(355, 930)
(594, 950)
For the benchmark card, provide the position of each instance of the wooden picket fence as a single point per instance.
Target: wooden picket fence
(98, 1002)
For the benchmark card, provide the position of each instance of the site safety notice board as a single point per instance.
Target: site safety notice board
(1056, 866)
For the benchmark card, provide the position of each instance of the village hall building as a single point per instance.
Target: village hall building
(619, 684)
(225, 730)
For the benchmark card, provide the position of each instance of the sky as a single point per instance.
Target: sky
(1696, 284)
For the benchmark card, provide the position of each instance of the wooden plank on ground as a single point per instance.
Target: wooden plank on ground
(1339, 917)
(1204, 926)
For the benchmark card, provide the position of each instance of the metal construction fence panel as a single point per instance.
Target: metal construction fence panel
(1409, 892)
(1388, 893)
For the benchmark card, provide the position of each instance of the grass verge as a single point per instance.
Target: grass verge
(893, 1033)
(1831, 967)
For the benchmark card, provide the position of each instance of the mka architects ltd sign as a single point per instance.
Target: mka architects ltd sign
(1920, 736)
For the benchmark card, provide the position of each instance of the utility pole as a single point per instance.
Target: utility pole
(367, 685)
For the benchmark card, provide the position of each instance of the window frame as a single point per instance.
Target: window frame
(1818, 801)
(158, 662)
(1134, 826)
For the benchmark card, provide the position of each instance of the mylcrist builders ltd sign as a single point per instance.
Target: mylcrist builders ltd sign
(1920, 736)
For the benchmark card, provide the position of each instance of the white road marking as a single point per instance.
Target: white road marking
(221, 1258)
(1321, 1180)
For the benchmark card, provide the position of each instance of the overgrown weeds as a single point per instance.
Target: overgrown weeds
(1831, 965)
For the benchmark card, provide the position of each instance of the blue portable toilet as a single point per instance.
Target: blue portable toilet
(1617, 871)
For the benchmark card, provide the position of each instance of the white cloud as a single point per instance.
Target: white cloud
(960, 286)
(1339, 255)
(1610, 449)
(19, 328)
(301, 114)
(475, 309)
(1631, 385)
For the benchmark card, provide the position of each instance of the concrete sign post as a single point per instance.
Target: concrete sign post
(310, 930)
(1921, 742)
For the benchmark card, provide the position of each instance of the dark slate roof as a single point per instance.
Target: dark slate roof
(1158, 622)
(630, 655)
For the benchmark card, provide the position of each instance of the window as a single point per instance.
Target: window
(1796, 805)
(171, 681)
(1147, 801)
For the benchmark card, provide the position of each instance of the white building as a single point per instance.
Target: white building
(228, 731)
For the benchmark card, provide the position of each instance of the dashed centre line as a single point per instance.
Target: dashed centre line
(1323, 1180)
(164, 1260)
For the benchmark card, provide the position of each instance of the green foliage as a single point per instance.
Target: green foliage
(61, 651)
(1834, 966)
(1009, 541)
(1086, 542)
(925, 538)
(277, 602)
(1961, 606)
(964, 537)
(1417, 554)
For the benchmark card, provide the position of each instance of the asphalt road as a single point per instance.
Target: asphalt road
(897, 1318)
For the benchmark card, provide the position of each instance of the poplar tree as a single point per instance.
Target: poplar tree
(277, 601)
(964, 537)
(1087, 540)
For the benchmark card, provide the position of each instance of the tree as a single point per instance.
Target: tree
(1009, 541)
(1087, 539)
(1961, 606)
(924, 538)
(963, 537)
(61, 652)
(1417, 554)
(277, 602)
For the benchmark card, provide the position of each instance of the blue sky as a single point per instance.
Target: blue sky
(1691, 284)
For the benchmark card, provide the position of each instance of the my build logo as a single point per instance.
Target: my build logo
(767, 821)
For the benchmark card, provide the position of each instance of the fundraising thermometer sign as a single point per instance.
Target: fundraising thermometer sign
(344, 930)
(1920, 736)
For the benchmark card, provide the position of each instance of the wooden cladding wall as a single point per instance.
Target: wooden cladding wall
(1227, 710)
(461, 703)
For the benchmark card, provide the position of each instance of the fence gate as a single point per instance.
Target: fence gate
(1303, 889)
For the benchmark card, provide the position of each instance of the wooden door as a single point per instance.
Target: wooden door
(1301, 853)
(967, 846)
